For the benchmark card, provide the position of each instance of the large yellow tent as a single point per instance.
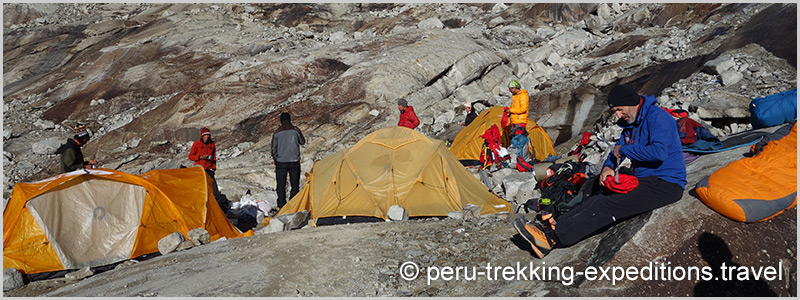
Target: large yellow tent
(99, 216)
(468, 143)
(392, 166)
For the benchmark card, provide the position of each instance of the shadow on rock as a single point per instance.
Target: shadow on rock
(521, 243)
(714, 251)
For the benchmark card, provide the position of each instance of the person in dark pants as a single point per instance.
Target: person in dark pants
(286, 143)
(650, 140)
(204, 153)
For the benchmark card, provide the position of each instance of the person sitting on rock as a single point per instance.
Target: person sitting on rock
(71, 157)
(407, 116)
(469, 113)
(650, 140)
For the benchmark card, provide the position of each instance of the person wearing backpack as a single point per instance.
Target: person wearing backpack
(650, 140)
(70, 155)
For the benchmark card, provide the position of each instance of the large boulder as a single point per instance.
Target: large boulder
(47, 146)
(293, 220)
(722, 104)
(170, 242)
(12, 279)
(519, 187)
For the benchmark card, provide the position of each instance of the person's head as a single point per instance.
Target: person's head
(81, 138)
(205, 134)
(286, 118)
(514, 87)
(625, 102)
(402, 104)
(467, 107)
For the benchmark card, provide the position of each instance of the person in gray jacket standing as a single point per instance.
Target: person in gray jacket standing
(286, 143)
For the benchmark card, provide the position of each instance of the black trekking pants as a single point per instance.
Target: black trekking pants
(281, 168)
(597, 212)
(217, 195)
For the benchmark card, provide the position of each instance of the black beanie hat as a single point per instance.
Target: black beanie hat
(285, 117)
(623, 95)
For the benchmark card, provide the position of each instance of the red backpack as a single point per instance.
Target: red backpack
(490, 154)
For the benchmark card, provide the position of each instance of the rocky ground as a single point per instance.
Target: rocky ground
(146, 77)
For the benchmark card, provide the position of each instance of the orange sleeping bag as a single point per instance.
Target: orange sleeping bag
(757, 188)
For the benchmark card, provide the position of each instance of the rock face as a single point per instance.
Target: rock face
(122, 75)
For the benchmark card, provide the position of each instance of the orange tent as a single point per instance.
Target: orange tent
(468, 143)
(99, 216)
(755, 189)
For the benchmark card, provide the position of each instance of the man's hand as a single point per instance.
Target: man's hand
(92, 162)
(616, 152)
(606, 172)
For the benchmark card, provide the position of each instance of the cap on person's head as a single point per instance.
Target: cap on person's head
(467, 104)
(514, 84)
(82, 137)
(82, 133)
(285, 117)
(205, 131)
(402, 102)
(623, 95)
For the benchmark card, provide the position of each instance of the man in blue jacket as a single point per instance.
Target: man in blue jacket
(650, 140)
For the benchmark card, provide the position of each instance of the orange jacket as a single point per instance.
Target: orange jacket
(519, 108)
(199, 148)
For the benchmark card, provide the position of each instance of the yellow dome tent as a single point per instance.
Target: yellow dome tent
(392, 166)
(97, 217)
(468, 143)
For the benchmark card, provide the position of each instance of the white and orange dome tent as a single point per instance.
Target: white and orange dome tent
(99, 216)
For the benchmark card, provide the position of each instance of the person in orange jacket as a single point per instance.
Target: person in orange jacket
(519, 104)
(204, 153)
(407, 116)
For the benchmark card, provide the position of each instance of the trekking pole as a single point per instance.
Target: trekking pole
(616, 171)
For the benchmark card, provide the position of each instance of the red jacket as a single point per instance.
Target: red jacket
(198, 149)
(408, 118)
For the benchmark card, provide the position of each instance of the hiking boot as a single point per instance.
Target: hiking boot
(540, 243)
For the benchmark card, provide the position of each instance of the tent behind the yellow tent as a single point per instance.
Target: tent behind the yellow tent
(468, 143)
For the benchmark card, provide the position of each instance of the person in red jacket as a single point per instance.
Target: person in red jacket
(407, 116)
(204, 153)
